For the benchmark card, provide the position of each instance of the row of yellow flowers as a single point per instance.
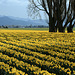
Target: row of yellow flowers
(49, 58)
(5, 69)
(40, 49)
(55, 52)
(50, 66)
(57, 48)
(25, 67)
(39, 35)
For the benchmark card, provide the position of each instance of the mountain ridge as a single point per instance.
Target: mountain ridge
(8, 20)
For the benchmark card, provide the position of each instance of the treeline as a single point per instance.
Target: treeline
(60, 13)
(27, 26)
(3, 26)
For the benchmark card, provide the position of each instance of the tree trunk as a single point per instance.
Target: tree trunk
(60, 27)
(55, 28)
(70, 29)
(52, 27)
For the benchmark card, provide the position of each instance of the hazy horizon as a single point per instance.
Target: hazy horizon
(15, 8)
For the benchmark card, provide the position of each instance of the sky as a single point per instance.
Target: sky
(16, 8)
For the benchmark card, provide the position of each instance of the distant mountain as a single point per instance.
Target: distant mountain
(9, 20)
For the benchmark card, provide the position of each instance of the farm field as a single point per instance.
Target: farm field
(40, 29)
(30, 52)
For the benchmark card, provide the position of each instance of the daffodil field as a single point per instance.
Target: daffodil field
(29, 52)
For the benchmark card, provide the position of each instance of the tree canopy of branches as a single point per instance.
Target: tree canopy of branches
(61, 13)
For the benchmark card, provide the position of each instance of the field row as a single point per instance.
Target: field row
(55, 53)
(29, 52)
(37, 53)
(41, 63)
(20, 65)
(5, 69)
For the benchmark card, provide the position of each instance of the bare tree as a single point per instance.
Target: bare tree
(47, 6)
(72, 16)
(56, 10)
